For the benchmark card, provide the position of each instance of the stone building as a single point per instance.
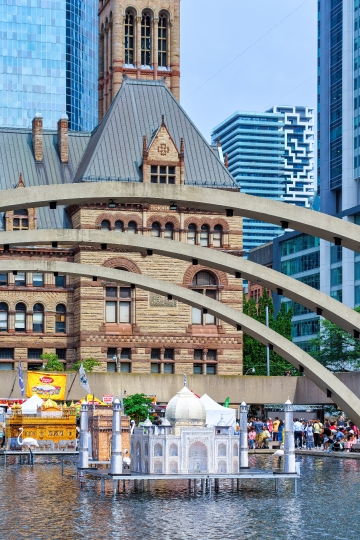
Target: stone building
(183, 443)
(144, 137)
(100, 428)
(140, 39)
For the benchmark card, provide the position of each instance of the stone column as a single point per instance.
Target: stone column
(106, 68)
(101, 76)
(244, 450)
(138, 46)
(182, 233)
(116, 449)
(110, 62)
(162, 353)
(28, 322)
(204, 353)
(155, 46)
(118, 356)
(84, 436)
(289, 446)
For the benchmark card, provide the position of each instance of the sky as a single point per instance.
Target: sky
(272, 60)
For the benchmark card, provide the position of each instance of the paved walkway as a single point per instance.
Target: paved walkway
(318, 453)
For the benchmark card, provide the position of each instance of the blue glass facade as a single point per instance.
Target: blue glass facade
(48, 62)
(255, 144)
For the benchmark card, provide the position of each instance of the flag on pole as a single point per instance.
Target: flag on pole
(21, 380)
(83, 379)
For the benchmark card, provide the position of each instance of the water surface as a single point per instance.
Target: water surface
(40, 504)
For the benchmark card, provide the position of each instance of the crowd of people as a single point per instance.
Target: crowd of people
(336, 435)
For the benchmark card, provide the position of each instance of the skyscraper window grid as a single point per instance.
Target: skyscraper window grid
(48, 62)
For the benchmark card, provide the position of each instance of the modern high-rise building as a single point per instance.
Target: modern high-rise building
(49, 62)
(339, 139)
(299, 153)
(255, 145)
(139, 39)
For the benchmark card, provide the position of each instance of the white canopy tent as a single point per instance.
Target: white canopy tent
(30, 406)
(214, 411)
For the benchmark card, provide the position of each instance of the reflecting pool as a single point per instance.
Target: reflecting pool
(40, 504)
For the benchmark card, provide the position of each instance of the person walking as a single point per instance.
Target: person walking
(309, 437)
(298, 433)
(275, 432)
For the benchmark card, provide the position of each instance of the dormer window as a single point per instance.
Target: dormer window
(162, 174)
(20, 221)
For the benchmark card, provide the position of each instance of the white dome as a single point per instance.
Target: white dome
(186, 410)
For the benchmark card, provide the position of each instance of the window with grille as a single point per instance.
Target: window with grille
(125, 367)
(20, 317)
(119, 226)
(162, 174)
(211, 355)
(154, 368)
(202, 280)
(204, 235)
(198, 354)
(34, 366)
(7, 354)
(125, 354)
(61, 354)
(38, 318)
(217, 236)
(132, 227)
(34, 354)
(162, 41)
(60, 281)
(191, 234)
(146, 40)
(197, 370)
(118, 309)
(155, 229)
(3, 280)
(210, 369)
(168, 368)
(38, 279)
(20, 220)
(169, 354)
(4, 316)
(111, 366)
(129, 38)
(111, 353)
(60, 319)
(155, 354)
(20, 279)
(169, 231)
(105, 225)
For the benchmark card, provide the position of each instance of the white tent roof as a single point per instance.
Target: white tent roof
(30, 406)
(214, 411)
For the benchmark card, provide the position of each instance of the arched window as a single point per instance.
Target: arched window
(105, 225)
(169, 231)
(191, 234)
(158, 451)
(201, 281)
(155, 229)
(162, 41)
(204, 235)
(217, 236)
(132, 227)
(146, 39)
(119, 226)
(20, 220)
(20, 317)
(60, 319)
(3, 317)
(38, 318)
(129, 38)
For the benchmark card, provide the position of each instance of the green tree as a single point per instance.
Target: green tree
(254, 352)
(138, 407)
(88, 363)
(52, 362)
(335, 349)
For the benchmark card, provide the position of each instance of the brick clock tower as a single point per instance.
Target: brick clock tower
(140, 39)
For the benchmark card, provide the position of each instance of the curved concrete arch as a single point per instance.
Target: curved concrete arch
(331, 309)
(322, 377)
(214, 200)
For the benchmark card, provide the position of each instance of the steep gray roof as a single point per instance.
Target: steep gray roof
(115, 148)
(16, 156)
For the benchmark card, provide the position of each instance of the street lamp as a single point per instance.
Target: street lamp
(252, 369)
(116, 360)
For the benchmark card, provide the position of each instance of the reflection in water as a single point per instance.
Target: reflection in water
(40, 504)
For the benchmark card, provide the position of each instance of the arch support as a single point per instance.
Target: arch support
(331, 309)
(322, 377)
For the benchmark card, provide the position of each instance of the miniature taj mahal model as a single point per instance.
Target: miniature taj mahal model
(184, 443)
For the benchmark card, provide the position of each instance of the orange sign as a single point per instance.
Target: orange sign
(46, 385)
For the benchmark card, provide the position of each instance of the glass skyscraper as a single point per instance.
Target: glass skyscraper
(339, 139)
(48, 62)
(255, 144)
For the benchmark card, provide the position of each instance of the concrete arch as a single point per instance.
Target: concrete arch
(331, 309)
(322, 377)
(212, 200)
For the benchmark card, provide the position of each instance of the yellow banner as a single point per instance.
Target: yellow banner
(46, 385)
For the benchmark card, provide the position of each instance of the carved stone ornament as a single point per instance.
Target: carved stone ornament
(163, 149)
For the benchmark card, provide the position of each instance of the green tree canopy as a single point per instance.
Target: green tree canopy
(51, 362)
(254, 352)
(138, 407)
(88, 363)
(335, 349)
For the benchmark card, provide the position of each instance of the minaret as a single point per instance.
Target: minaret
(142, 41)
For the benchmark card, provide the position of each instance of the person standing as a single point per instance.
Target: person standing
(317, 433)
(309, 436)
(258, 425)
(276, 424)
(298, 433)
